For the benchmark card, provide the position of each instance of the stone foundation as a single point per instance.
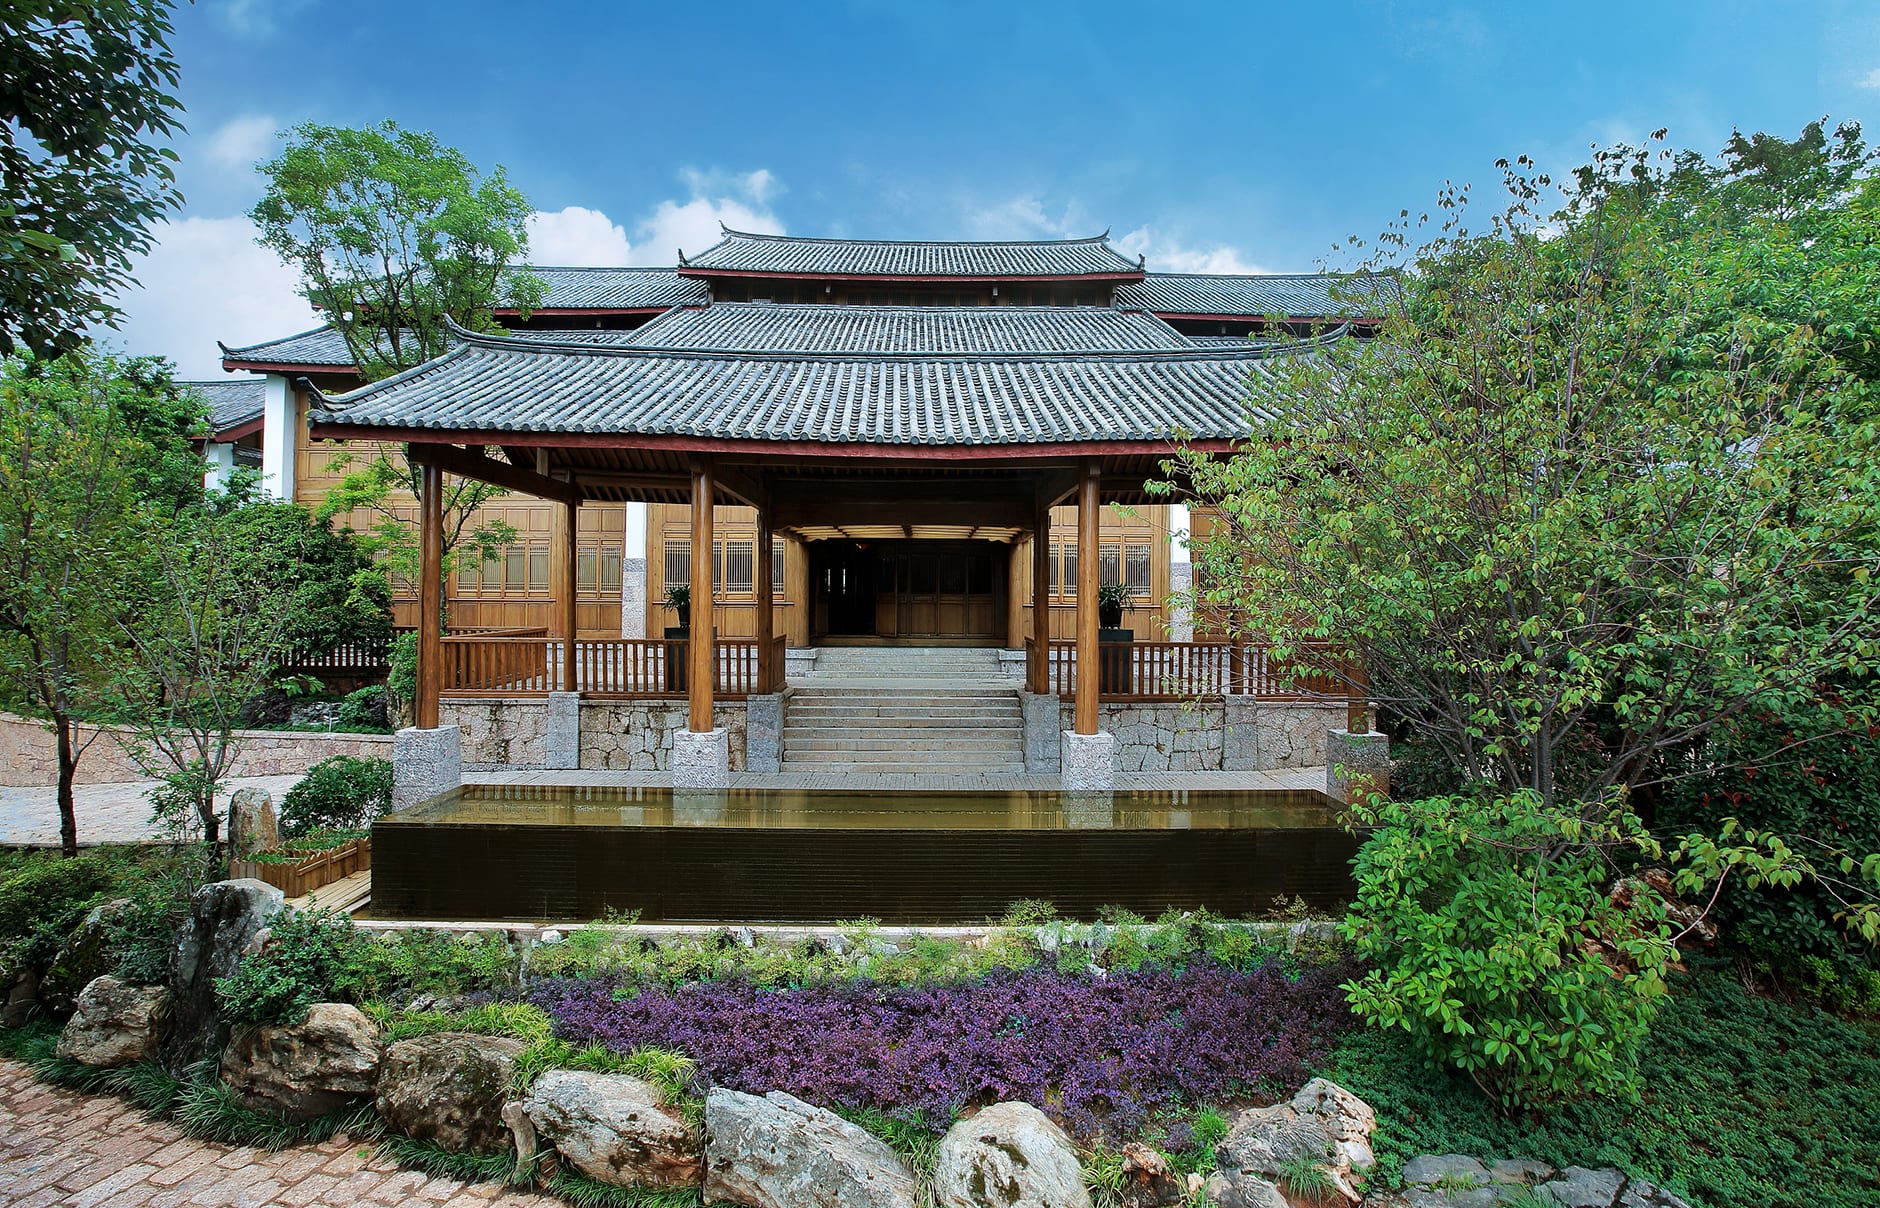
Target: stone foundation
(763, 733)
(1355, 762)
(1043, 724)
(637, 735)
(701, 761)
(1161, 736)
(1089, 762)
(561, 745)
(499, 733)
(1263, 735)
(425, 763)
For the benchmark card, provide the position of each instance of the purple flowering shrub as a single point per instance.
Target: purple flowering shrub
(1105, 1057)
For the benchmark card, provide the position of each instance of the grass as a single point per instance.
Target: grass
(1748, 1102)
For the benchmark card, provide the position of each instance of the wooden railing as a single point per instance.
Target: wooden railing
(483, 665)
(347, 658)
(1181, 670)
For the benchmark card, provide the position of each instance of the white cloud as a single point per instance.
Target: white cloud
(695, 225)
(207, 280)
(1871, 79)
(1023, 217)
(1168, 256)
(577, 237)
(257, 18)
(238, 144)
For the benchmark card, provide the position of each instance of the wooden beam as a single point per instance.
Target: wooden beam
(562, 588)
(1089, 675)
(702, 650)
(747, 487)
(430, 594)
(474, 463)
(763, 596)
(1038, 657)
(807, 513)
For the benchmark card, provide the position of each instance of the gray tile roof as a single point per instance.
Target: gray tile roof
(740, 251)
(764, 327)
(617, 288)
(321, 347)
(495, 384)
(1302, 294)
(232, 401)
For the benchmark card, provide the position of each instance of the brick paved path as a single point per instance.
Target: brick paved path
(61, 1149)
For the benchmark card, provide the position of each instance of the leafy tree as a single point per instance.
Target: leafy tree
(85, 94)
(1598, 490)
(70, 470)
(333, 592)
(394, 234)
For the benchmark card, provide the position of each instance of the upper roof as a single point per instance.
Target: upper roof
(314, 349)
(496, 384)
(743, 252)
(1296, 295)
(616, 288)
(232, 401)
(817, 327)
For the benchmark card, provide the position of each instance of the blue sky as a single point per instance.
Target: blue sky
(1209, 138)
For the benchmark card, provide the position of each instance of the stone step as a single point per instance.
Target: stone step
(905, 767)
(902, 692)
(903, 709)
(963, 723)
(911, 760)
(966, 741)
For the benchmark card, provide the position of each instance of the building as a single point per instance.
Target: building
(924, 443)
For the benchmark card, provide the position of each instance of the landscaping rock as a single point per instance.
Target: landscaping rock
(223, 916)
(613, 1128)
(449, 1089)
(1520, 1171)
(1243, 1191)
(114, 1023)
(1324, 1123)
(252, 825)
(1458, 1181)
(1578, 1187)
(1009, 1155)
(307, 1070)
(779, 1152)
(1147, 1180)
(19, 997)
(1452, 1169)
(85, 955)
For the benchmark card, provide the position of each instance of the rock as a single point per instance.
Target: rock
(522, 1131)
(1452, 1169)
(1147, 1180)
(779, 1152)
(252, 825)
(1520, 1171)
(114, 1023)
(449, 1088)
(223, 916)
(1324, 1123)
(85, 954)
(1007, 1156)
(1243, 1192)
(1578, 1187)
(308, 1070)
(613, 1128)
(19, 997)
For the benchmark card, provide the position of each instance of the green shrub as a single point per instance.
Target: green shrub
(363, 710)
(306, 962)
(1496, 949)
(341, 793)
(158, 887)
(410, 962)
(42, 901)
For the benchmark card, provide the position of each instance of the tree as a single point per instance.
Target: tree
(1576, 508)
(70, 465)
(394, 233)
(85, 94)
(332, 591)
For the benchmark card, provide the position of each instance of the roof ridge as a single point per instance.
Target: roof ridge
(593, 268)
(1082, 239)
(1265, 276)
(311, 331)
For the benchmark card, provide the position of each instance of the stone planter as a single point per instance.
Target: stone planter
(316, 870)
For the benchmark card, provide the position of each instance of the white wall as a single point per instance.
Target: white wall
(279, 424)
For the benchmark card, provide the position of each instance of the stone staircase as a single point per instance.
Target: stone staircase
(934, 710)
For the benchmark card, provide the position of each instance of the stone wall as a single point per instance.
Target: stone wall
(1235, 734)
(498, 732)
(1161, 736)
(29, 758)
(636, 735)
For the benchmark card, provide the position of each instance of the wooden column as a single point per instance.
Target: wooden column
(562, 588)
(702, 654)
(430, 594)
(764, 622)
(1038, 658)
(1089, 676)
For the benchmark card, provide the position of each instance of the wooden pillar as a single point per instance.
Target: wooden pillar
(562, 588)
(1089, 676)
(1038, 658)
(764, 622)
(702, 654)
(430, 594)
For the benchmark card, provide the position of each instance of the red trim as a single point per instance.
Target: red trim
(588, 310)
(231, 435)
(928, 280)
(781, 448)
(296, 367)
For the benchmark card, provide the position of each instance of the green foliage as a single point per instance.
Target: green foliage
(364, 710)
(157, 888)
(411, 962)
(401, 677)
(207, 1109)
(87, 94)
(182, 798)
(334, 593)
(43, 901)
(441, 1163)
(305, 962)
(1744, 1102)
(338, 793)
(1496, 949)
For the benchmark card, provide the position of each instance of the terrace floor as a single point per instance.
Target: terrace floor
(914, 782)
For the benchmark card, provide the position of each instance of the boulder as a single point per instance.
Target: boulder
(1324, 1123)
(1009, 1155)
(252, 825)
(779, 1152)
(85, 954)
(19, 997)
(223, 917)
(613, 1128)
(114, 1023)
(1243, 1191)
(307, 1070)
(1458, 1181)
(1450, 1169)
(449, 1088)
(1147, 1180)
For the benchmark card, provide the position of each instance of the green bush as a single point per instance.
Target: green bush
(363, 710)
(42, 901)
(341, 793)
(305, 962)
(1496, 949)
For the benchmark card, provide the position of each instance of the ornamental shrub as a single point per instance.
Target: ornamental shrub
(1496, 948)
(304, 963)
(341, 793)
(363, 710)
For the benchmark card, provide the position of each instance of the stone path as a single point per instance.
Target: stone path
(107, 813)
(61, 1149)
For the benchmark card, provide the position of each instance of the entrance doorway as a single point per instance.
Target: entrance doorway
(919, 592)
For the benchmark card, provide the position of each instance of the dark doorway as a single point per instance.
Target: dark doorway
(843, 577)
(946, 592)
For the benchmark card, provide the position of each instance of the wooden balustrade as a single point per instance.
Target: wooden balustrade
(347, 658)
(482, 665)
(1180, 670)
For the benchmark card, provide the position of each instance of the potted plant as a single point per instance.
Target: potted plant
(1112, 600)
(679, 599)
(1113, 650)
